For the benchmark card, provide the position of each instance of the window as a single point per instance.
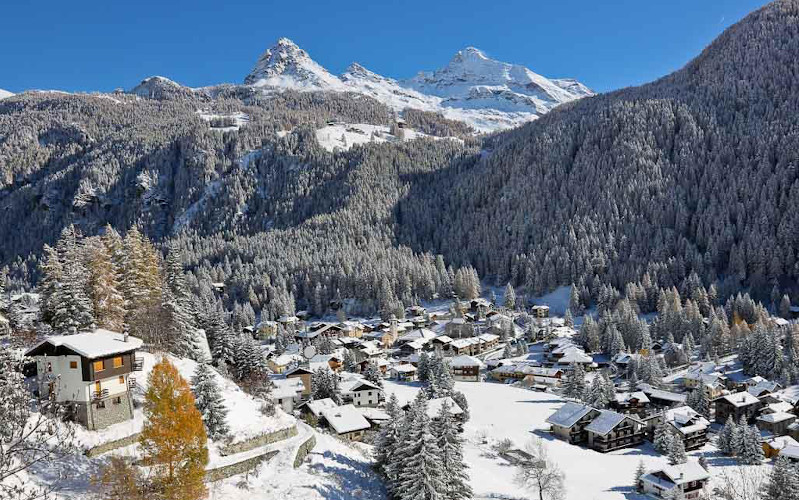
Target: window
(73, 365)
(97, 386)
(122, 380)
(99, 366)
(117, 361)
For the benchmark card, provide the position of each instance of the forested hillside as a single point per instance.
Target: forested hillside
(694, 172)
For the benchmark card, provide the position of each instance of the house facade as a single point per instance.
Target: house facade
(738, 405)
(570, 421)
(612, 431)
(687, 481)
(91, 373)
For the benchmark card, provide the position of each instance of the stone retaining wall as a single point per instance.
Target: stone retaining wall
(246, 465)
(112, 445)
(304, 449)
(258, 441)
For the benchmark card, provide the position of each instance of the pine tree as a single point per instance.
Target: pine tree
(104, 287)
(596, 394)
(73, 311)
(450, 444)
(640, 472)
(663, 438)
(189, 339)
(676, 451)
(574, 386)
(388, 439)
(751, 452)
(421, 474)
(324, 385)
(783, 481)
(208, 399)
(173, 439)
(508, 352)
(698, 400)
(568, 320)
(373, 375)
(423, 368)
(726, 437)
(510, 297)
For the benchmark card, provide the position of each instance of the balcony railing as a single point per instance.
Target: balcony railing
(103, 393)
(138, 364)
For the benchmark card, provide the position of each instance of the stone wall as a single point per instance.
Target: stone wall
(112, 445)
(113, 413)
(258, 441)
(246, 465)
(304, 449)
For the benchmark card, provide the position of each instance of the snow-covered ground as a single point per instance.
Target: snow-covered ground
(239, 120)
(343, 136)
(503, 411)
(5, 93)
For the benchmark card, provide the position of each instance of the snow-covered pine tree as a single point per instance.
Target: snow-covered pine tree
(640, 471)
(783, 481)
(373, 375)
(725, 439)
(324, 385)
(676, 451)
(104, 287)
(423, 368)
(349, 361)
(70, 307)
(450, 444)
(663, 438)
(510, 297)
(388, 439)
(568, 320)
(463, 404)
(508, 352)
(208, 399)
(191, 340)
(421, 474)
(608, 388)
(698, 400)
(752, 451)
(596, 395)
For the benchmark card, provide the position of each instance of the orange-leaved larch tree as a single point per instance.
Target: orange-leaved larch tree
(173, 439)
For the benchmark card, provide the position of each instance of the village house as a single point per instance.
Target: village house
(91, 373)
(365, 393)
(441, 344)
(332, 361)
(403, 373)
(465, 368)
(570, 421)
(288, 393)
(266, 330)
(690, 426)
(686, 481)
(303, 374)
(776, 423)
(662, 399)
(630, 402)
(540, 376)
(764, 388)
(612, 431)
(282, 363)
(740, 404)
(783, 446)
(459, 328)
(346, 421)
(513, 372)
(540, 312)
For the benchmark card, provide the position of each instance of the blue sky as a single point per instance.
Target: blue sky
(89, 45)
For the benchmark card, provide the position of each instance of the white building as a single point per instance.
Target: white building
(365, 393)
(686, 481)
(91, 372)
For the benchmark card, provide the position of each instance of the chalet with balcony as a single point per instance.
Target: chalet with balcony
(612, 431)
(690, 426)
(570, 421)
(466, 368)
(686, 481)
(92, 373)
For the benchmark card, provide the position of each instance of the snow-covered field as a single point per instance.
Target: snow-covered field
(344, 136)
(503, 411)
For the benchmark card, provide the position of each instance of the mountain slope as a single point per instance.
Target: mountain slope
(693, 172)
(5, 93)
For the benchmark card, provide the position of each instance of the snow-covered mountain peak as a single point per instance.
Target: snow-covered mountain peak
(158, 87)
(5, 93)
(286, 65)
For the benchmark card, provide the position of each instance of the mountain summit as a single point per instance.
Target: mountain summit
(474, 88)
(473, 80)
(286, 65)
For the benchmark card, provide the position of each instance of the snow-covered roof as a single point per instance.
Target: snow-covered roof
(364, 385)
(318, 406)
(285, 388)
(374, 414)
(740, 399)
(96, 344)
(575, 355)
(686, 420)
(344, 419)
(465, 361)
(568, 414)
(626, 397)
(444, 339)
(434, 407)
(764, 386)
(417, 334)
(605, 422)
(678, 474)
(286, 359)
(660, 394)
(773, 418)
(781, 406)
(782, 442)
(407, 368)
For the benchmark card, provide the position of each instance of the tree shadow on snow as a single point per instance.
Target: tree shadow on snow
(629, 493)
(354, 479)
